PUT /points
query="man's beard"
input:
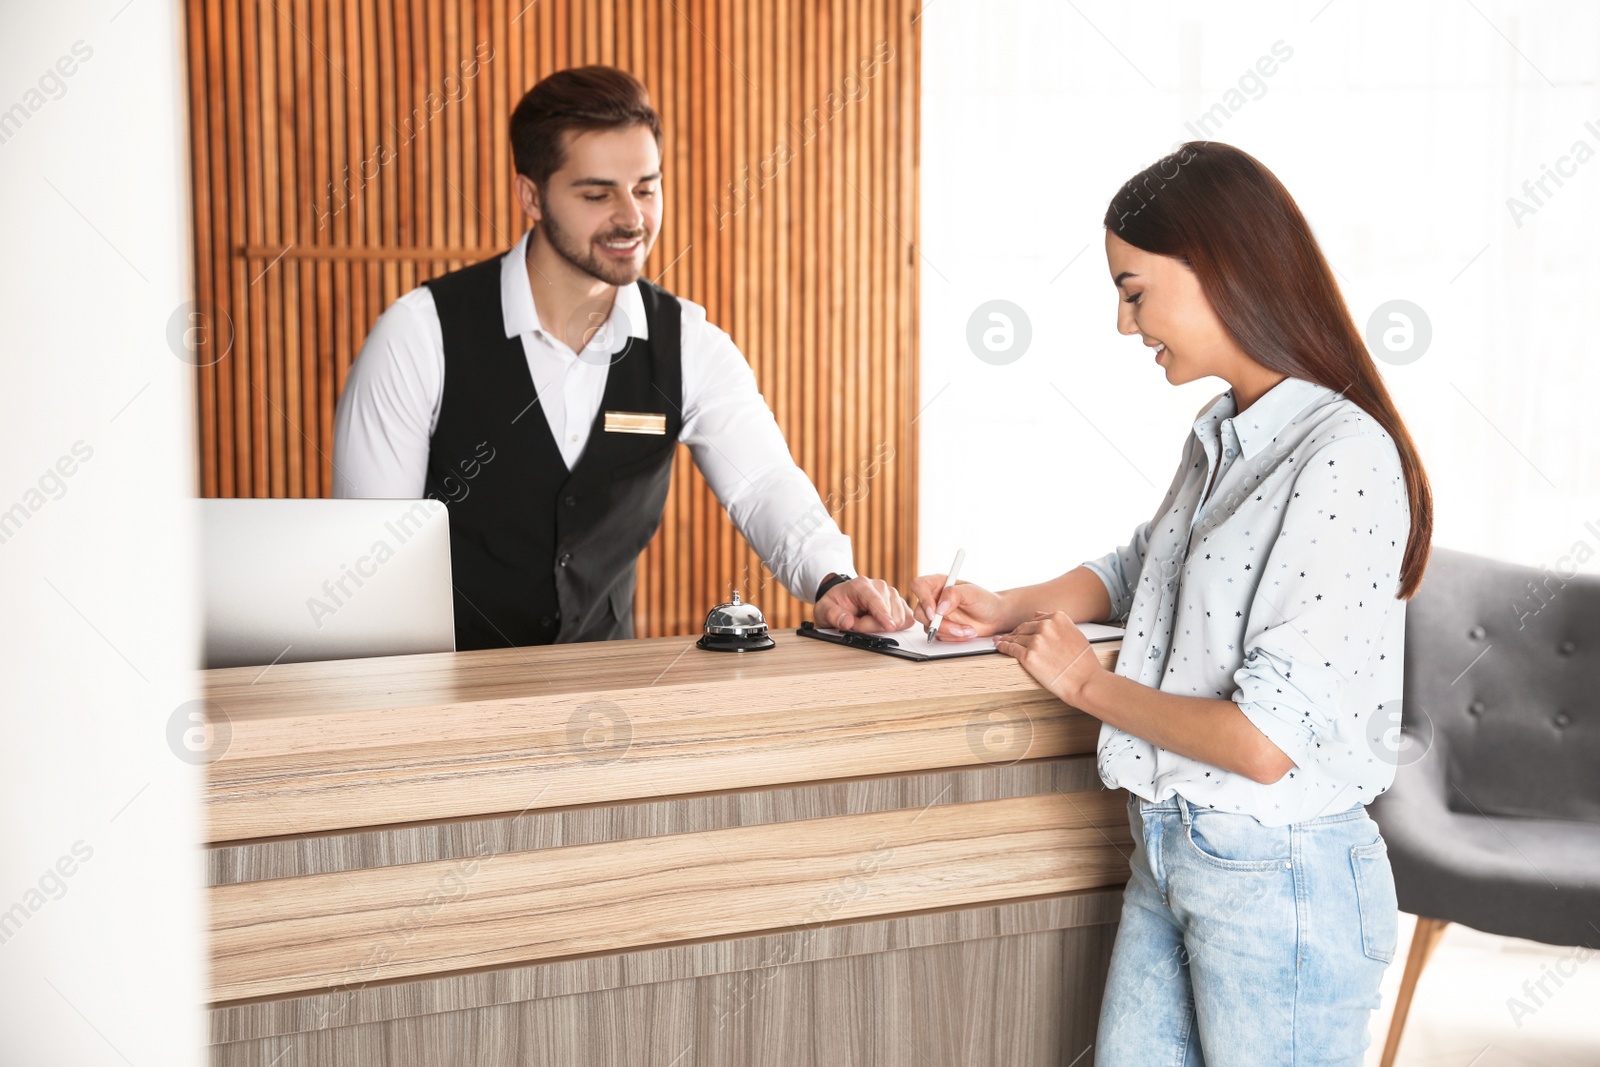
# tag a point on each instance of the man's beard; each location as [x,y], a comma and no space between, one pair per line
[586,259]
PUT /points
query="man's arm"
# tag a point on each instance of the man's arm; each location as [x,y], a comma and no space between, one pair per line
[737,444]
[385,416]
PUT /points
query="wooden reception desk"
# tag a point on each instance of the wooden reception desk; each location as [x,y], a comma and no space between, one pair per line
[642,853]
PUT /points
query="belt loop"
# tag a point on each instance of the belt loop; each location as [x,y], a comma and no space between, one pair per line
[1183,808]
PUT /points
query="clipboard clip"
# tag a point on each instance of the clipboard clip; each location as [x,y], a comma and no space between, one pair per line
[848,637]
[867,641]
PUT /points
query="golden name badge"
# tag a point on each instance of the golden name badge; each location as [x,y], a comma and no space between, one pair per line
[635,422]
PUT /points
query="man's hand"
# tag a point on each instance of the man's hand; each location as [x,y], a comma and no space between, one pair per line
[1052,649]
[863,604]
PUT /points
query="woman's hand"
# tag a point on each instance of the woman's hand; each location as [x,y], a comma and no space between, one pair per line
[1052,649]
[969,610]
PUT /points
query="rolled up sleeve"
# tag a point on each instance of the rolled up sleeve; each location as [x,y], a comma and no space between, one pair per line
[1119,570]
[1329,583]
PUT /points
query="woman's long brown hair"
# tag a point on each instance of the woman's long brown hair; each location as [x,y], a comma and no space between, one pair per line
[1231,221]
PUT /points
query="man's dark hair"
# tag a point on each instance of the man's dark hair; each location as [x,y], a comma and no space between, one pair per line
[582,98]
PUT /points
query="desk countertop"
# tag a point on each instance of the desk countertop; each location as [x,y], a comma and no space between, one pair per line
[319,747]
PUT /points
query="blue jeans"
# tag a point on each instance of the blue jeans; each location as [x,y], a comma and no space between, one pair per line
[1244,945]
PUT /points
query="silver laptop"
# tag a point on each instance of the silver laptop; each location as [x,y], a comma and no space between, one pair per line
[290,581]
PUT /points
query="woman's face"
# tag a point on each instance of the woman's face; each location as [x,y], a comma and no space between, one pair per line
[1161,301]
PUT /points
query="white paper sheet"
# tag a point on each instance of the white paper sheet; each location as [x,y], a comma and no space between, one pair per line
[914,639]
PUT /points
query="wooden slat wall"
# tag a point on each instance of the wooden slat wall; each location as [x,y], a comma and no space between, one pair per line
[342,155]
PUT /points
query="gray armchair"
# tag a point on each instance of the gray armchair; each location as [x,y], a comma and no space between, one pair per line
[1494,818]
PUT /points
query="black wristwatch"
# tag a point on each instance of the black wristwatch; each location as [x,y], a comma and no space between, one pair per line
[828,582]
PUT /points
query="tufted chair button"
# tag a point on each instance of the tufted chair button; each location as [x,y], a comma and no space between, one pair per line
[1476,633]
[1566,648]
[1475,708]
[1562,718]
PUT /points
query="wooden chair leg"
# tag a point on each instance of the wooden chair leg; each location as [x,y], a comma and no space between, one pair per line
[1423,942]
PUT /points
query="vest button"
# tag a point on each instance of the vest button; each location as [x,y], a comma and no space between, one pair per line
[545,622]
[1567,648]
[571,501]
[1563,719]
[1476,633]
[566,557]
[1475,708]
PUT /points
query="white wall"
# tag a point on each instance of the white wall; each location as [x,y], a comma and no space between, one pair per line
[102,964]
[1401,129]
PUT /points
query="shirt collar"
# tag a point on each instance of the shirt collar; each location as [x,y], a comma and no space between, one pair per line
[516,301]
[1264,420]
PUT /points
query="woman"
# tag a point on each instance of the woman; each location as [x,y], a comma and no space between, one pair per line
[1265,610]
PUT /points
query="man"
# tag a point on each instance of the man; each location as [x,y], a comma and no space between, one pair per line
[541,393]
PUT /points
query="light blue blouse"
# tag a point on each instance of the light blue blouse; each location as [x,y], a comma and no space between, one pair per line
[1278,592]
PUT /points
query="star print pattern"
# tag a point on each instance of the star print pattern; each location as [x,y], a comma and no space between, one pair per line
[1276,591]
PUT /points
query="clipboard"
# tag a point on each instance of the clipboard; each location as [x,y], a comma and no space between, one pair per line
[910,644]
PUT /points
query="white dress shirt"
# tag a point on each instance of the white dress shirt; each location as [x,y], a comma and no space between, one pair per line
[390,406]
[1279,592]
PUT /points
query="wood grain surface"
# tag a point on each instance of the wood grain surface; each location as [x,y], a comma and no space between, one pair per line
[1017,984]
[376,899]
[1020,1000]
[354,928]
[729,964]
[291,857]
[309,748]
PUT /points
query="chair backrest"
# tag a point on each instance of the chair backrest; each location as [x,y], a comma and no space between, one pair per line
[1503,673]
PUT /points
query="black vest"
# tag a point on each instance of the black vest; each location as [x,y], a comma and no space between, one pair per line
[539,554]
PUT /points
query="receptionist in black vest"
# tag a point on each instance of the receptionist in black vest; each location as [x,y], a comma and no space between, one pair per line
[541,394]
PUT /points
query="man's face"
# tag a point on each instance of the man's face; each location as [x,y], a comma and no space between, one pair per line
[602,210]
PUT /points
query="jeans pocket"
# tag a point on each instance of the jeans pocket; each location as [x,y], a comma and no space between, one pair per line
[1375,896]
[1237,842]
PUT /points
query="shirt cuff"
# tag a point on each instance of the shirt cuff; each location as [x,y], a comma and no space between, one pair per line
[1117,592]
[812,573]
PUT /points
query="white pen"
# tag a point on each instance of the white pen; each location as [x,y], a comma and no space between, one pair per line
[949,580]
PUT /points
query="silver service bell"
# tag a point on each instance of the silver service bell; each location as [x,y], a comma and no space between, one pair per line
[735,627]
